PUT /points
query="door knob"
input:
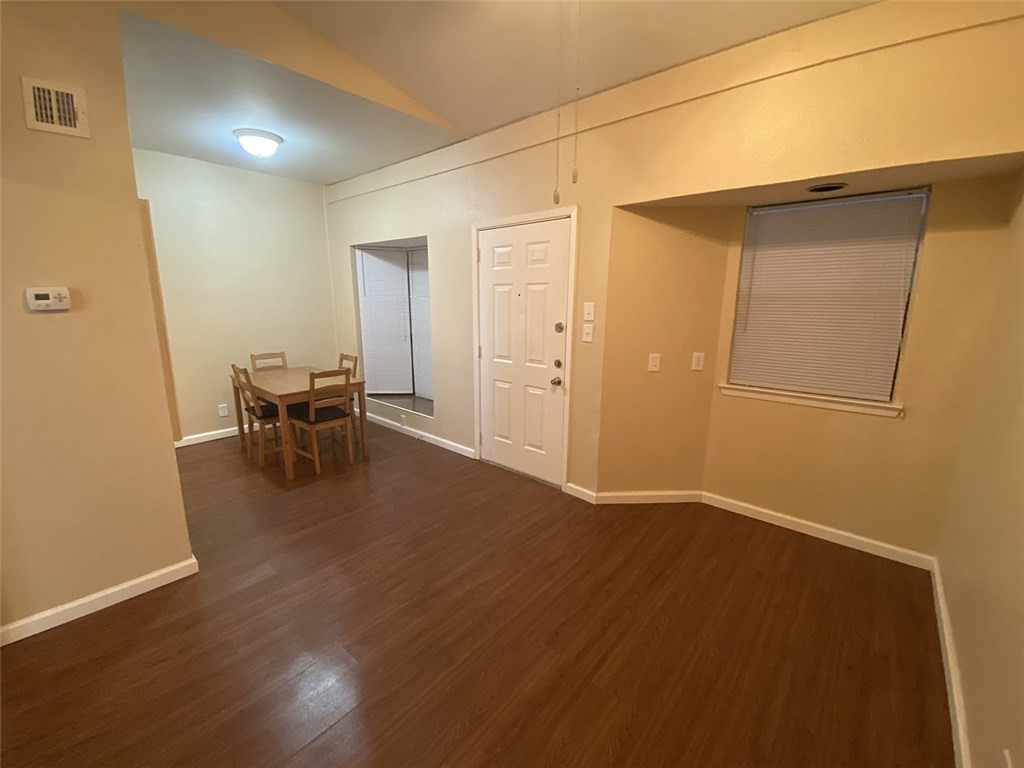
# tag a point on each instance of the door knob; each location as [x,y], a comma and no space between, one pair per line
[557,381]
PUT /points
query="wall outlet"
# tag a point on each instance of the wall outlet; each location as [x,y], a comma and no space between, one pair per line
[654,362]
[588,332]
[698,362]
[222,410]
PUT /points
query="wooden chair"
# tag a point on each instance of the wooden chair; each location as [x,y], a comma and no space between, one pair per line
[328,407]
[259,414]
[351,362]
[282,361]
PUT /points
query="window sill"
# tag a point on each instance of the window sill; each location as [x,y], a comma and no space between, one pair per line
[890,410]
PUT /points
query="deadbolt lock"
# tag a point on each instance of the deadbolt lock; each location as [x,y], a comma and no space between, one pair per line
[559,327]
[558,363]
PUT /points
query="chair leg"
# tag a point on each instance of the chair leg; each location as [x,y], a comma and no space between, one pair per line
[263,446]
[349,435]
[248,439]
[314,438]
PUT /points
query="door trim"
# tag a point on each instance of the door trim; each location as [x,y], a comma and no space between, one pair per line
[552,214]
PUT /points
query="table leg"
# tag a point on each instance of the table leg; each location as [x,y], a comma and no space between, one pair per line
[364,433]
[353,399]
[287,447]
[238,413]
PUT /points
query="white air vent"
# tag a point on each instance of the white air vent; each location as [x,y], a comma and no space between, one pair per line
[55,107]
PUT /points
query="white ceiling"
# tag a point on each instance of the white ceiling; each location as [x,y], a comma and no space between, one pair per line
[186,95]
[485,64]
[479,64]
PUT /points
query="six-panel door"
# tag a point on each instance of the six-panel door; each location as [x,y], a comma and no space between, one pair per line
[523,306]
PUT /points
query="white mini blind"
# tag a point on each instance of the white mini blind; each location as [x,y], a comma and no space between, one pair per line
[384,316]
[823,292]
[419,306]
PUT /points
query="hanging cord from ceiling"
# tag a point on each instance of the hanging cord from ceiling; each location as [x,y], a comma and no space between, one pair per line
[556,195]
[576,102]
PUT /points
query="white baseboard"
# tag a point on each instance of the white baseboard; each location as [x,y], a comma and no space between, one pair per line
[856,541]
[647,497]
[630,497]
[580,492]
[462,450]
[954,691]
[205,437]
[76,609]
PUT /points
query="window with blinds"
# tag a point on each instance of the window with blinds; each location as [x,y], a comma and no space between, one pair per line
[394,315]
[823,292]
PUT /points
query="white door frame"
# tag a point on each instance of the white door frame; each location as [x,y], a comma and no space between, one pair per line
[565,212]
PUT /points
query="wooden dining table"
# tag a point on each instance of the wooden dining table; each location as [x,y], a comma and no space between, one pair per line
[286,386]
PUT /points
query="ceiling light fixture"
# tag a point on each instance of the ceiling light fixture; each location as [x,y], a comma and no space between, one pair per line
[830,186]
[258,143]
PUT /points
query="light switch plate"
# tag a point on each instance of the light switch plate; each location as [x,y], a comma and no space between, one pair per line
[654,362]
[698,362]
[588,332]
[588,310]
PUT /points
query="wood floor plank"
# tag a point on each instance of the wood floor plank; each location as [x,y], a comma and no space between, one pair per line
[424,609]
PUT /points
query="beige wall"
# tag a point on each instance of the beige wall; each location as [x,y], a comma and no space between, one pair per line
[90,486]
[244,268]
[876,476]
[89,491]
[444,210]
[665,275]
[798,105]
[980,548]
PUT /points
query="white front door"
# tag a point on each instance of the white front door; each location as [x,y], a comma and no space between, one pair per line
[524,282]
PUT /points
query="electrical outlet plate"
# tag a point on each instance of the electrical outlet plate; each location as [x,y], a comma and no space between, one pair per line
[698,362]
[222,410]
[654,362]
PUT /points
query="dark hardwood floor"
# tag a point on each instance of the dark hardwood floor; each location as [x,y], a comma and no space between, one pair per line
[424,609]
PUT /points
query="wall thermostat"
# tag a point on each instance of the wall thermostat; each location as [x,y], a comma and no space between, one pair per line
[48,299]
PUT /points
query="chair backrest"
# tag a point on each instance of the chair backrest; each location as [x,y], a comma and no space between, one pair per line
[351,362]
[334,393]
[244,383]
[277,360]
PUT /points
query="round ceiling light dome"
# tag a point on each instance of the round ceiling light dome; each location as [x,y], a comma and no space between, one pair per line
[258,143]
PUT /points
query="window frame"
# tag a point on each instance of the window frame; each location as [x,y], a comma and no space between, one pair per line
[892,408]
